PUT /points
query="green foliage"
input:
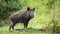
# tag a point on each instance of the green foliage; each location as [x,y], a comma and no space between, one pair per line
[42,11]
[7,6]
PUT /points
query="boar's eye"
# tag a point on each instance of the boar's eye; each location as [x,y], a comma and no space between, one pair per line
[34,9]
[28,8]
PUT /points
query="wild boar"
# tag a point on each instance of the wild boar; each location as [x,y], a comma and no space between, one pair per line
[22,16]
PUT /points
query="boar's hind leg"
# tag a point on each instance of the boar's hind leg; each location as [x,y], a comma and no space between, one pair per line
[12,26]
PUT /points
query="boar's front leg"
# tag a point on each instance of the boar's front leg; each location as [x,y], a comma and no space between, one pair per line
[25,24]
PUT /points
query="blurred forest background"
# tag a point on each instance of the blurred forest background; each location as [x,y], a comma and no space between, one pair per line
[47,14]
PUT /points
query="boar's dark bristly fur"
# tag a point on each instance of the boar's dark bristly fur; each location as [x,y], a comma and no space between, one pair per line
[22,16]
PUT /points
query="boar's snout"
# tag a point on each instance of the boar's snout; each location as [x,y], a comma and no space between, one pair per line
[31,16]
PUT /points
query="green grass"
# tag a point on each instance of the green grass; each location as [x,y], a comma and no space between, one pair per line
[4,30]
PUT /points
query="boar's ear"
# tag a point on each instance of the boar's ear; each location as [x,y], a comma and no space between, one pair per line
[28,8]
[34,9]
